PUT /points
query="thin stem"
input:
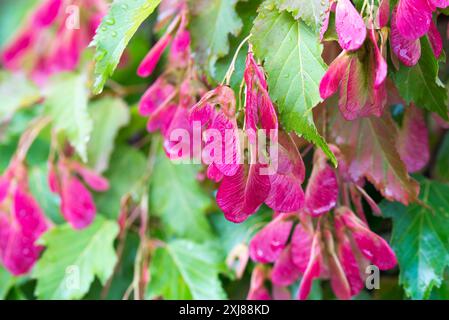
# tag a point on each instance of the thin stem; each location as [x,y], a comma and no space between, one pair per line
[140,265]
[231,69]
[29,136]
[365,5]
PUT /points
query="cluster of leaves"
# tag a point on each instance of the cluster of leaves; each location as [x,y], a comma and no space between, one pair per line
[158,232]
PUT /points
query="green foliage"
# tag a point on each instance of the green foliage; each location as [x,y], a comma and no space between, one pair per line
[73,258]
[247,10]
[6,282]
[114,33]
[421,240]
[310,11]
[186,244]
[25,93]
[127,168]
[66,101]
[12,13]
[177,198]
[231,234]
[108,116]
[420,84]
[48,201]
[183,269]
[294,69]
[211,24]
[441,169]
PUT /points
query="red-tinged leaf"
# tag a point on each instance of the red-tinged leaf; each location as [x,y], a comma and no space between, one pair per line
[413,140]
[369,148]
[267,244]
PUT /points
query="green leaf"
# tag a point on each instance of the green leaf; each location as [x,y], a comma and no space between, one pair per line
[114,33]
[124,273]
[127,167]
[66,102]
[232,234]
[247,10]
[369,147]
[17,124]
[441,169]
[442,293]
[12,14]
[211,23]
[38,152]
[293,62]
[177,198]
[73,258]
[420,239]
[48,201]
[108,115]
[186,270]
[16,92]
[420,84]
[310,11]
[6,282]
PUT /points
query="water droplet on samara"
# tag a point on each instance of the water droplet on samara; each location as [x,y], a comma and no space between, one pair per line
[100,54]
[110,21]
